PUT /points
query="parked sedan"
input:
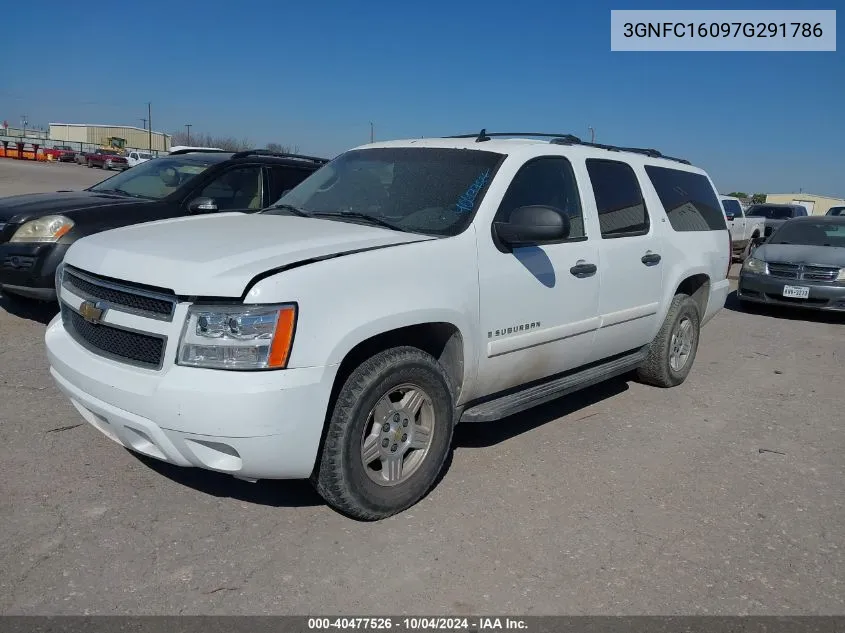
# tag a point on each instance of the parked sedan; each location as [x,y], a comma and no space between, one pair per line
[802,264]
[37,229]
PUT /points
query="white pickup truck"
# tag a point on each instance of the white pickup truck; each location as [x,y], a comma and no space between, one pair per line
[746,231]
[404,287]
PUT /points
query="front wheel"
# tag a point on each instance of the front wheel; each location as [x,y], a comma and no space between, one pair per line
[673,350]
[388,437]
[90,165]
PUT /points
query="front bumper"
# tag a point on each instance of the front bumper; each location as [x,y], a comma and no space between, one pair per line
[254,425]
[767,289]
[30,269]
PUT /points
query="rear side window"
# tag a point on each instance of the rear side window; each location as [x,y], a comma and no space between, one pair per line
[732,208]
[619,199]
[688,198]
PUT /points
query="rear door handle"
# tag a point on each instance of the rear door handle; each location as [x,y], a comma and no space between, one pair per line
[582,269]
[650,259]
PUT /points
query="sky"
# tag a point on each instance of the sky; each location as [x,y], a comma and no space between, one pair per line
[315,74]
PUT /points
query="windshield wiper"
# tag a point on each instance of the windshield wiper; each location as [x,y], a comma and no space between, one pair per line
[126,193]
[362,216]
[294,209]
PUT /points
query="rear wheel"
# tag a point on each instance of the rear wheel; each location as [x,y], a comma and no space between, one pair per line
[107,165]
[674,348]
[388,437]
[90,164]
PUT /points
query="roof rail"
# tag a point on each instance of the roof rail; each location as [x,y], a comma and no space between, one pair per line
[267,152]
[485,136]
[191,150]
[653,153]
[569,139]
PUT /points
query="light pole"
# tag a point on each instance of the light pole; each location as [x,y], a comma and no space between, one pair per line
[372,132]
[592,133]
[150,121]
[188,127]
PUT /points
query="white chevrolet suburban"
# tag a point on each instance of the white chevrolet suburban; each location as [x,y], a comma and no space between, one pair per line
[406,286]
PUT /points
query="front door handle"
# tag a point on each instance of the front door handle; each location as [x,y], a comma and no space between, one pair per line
[582,269]
[650,259]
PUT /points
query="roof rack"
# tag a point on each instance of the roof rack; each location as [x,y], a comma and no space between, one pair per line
[267,152]
[191,150]
[569,139]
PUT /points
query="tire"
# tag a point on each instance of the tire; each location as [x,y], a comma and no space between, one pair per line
[90,165]
[107,165]
[659,368]
[341,476]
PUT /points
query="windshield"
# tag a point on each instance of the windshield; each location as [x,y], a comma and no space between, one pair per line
[811,233]
[770,212]
[836,211]
[154,179]
[433,191]
[732,208]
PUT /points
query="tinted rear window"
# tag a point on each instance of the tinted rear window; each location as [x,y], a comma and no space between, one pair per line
[770,212]
[732,208]
[619,200]
[836,211]
[688,198]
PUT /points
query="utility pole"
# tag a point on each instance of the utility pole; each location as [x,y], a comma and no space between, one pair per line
[150,121]
[372,132]
[188,126]
[143,122]
[592,133]
[23,125]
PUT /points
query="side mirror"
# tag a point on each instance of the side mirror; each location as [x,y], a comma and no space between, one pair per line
[532,225]
[202,205]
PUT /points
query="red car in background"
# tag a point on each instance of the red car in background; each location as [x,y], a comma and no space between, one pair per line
[61,153]
[107,159]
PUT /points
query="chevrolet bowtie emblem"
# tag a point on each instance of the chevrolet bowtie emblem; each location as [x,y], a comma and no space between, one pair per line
[92,312]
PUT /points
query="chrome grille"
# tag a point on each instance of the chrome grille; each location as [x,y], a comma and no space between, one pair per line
[820,273]
[803,271]
[786,271]
[128,346]
[124,298]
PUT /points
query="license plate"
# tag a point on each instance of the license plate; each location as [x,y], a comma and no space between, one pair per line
[796,292]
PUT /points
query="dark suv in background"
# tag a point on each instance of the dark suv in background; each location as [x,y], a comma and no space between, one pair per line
[37,229]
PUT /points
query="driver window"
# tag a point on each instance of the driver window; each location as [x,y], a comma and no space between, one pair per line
[236,189]
[546,181]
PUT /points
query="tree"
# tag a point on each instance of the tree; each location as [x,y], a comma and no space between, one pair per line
[198,139]
[738,194]
[283,149]
[758,198]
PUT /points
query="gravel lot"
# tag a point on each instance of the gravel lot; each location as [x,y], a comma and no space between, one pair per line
[721,496]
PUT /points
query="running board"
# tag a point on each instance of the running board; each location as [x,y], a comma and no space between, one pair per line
[519,401]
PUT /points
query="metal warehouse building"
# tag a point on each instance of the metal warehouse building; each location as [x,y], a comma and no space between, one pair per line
[136,138]
[815,205]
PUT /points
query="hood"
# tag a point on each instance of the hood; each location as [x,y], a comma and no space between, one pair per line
[801,254]
[35,205]
[218,255]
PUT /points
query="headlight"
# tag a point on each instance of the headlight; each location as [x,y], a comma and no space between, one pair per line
[238,337]
[841,275]
[59,278]
[754,265]
[47,229]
